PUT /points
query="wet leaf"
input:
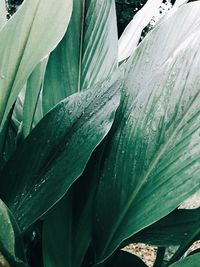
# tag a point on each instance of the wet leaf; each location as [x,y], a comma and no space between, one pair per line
[87,53]
[54,155]
[151,163]
[20,37]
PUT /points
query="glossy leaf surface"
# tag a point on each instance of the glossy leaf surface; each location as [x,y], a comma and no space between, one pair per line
[87,53]
[160,46]
[172,230]
[25,40]
[154,152]
[60,146]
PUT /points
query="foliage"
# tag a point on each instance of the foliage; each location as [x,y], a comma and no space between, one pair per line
[96,153]
[125,12]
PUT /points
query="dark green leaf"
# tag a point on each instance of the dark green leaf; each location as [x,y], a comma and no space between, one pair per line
[125,259]
[54,155]
[187,242]
[68,225]
[58,234]
[87,53]
[191,261]
[172,230]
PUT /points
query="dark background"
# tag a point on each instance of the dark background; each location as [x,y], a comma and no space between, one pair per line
[125,10]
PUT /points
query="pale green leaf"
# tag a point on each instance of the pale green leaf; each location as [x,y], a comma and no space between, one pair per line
[58,234]
[132,33]
[178,3]
[25,40]
[161,44]
[32,94]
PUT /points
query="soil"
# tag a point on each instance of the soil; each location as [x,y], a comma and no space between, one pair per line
[148,253]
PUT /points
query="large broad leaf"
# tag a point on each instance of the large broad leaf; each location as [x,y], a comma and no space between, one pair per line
[160,45]
[68,225]
[172,230]
[191,261]
[19,49]
[132,33]
[57,150]
[87,53]
[8,243]
[152,161]
[63,234]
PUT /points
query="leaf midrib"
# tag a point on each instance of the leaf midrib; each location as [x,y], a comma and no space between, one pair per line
[59,148]
[145,177]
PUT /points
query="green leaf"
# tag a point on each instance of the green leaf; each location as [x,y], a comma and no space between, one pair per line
[60,146]
[172,230]
[132,33]
[152,158]
[63,234]
[2,13]
[32,93]
[191,261]
[151,54]
[125,259]
[68,225]
[58,234]
[186,243]
[26,40]
[87,53]
[9,243]
[10,144]
[7,237]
